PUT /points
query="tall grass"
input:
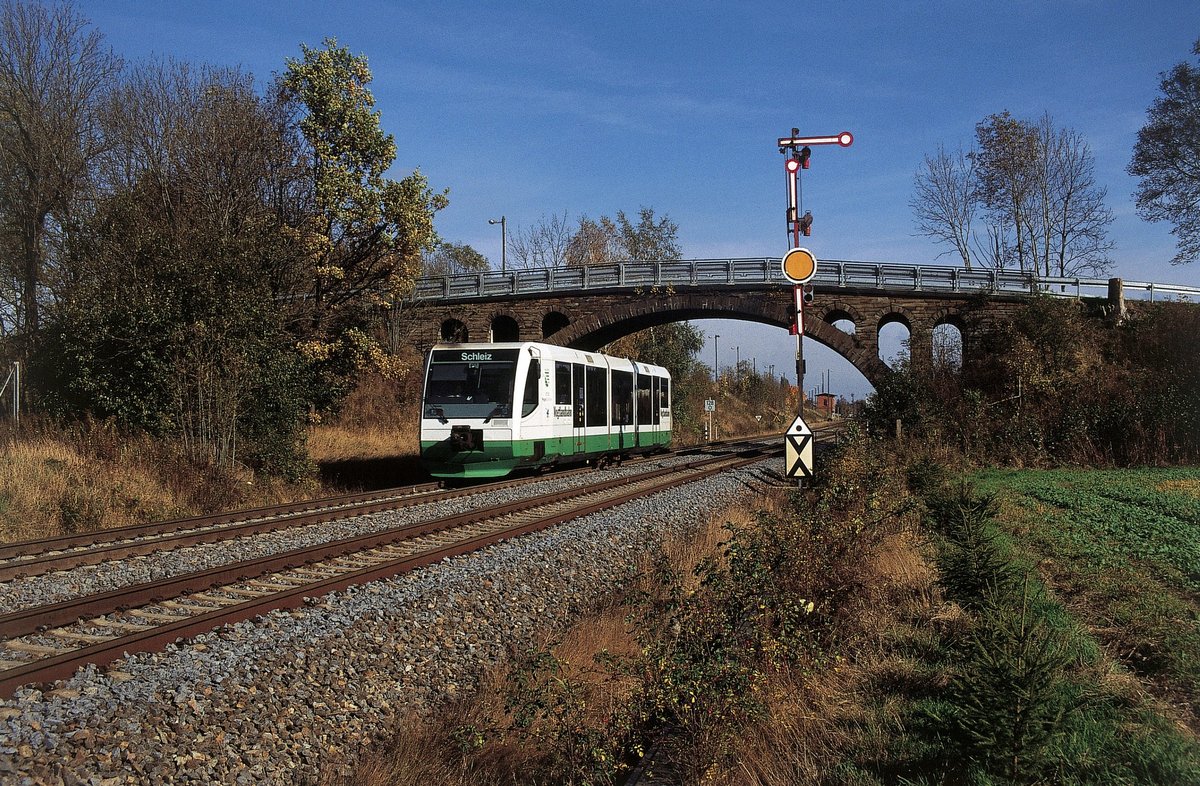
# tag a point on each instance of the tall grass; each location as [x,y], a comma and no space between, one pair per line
[379,419]
[64,480]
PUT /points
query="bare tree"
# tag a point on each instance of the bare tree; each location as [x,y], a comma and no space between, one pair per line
[606,240]
[944,202]
[1035,187]
[1005,162]
[542,245]
[1076,218]
[649,239]
[54,71]
[594,243]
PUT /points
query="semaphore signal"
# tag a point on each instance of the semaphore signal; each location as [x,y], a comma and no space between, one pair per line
[799,265]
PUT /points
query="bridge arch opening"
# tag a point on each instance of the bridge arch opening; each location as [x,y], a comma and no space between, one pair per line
[505,328]
[770,351]
[895,334]
[553,322]
[845,325]
[454,331]
[842,319]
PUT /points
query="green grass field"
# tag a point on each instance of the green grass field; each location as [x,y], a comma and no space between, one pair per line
[1121,549]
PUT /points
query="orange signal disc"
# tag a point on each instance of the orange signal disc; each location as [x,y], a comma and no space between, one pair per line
[799,265]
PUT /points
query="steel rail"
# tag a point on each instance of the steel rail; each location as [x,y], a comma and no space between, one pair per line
[24,548]
[101,653]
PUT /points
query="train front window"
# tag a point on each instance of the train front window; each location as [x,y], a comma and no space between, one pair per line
[529,401]
[471,384]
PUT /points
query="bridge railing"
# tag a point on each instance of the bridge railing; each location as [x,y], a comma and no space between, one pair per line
[831,275]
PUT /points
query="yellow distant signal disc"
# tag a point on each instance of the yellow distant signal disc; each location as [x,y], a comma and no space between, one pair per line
[799,265]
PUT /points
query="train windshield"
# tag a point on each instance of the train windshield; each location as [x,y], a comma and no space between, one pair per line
[474,383]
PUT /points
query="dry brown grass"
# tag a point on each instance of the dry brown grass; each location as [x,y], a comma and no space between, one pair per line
[1189,487]
[47,487]
[427,751]
[424,751]
[815,714]
[56,481]
[379,419]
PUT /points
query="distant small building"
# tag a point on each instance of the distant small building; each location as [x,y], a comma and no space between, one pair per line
[826,402]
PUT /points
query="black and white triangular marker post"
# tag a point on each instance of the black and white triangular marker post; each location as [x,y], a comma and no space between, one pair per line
[798,452]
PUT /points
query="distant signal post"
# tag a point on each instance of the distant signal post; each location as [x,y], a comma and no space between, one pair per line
[799,266]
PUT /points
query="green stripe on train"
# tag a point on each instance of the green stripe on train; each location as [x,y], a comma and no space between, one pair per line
[500,457]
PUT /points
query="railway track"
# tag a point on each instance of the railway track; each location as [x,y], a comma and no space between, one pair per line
[51,641]
[30,558]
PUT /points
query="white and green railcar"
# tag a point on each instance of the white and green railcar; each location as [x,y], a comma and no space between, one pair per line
[489,409]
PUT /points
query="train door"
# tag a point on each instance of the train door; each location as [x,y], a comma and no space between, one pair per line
[647,406]
[563,409]
[580,407]
[622,408]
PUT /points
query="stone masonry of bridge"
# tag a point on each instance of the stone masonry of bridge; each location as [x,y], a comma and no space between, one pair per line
[589,320]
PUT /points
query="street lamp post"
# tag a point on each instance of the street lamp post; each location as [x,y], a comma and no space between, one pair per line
[737,370]
[716,374]
[502,221]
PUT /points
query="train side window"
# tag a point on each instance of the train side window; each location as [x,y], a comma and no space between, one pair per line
[664,401]
[529,400]
[655,392]
[562,383]
[597,396]
[622,398]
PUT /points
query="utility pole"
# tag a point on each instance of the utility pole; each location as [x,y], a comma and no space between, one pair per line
[716,372]
[503,222]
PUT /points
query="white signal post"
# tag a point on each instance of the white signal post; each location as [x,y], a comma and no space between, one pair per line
[798,267]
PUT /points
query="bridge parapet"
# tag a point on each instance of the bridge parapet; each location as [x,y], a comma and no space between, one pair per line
[862,277]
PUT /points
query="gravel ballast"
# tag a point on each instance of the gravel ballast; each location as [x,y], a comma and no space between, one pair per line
[281,699]
[106,576]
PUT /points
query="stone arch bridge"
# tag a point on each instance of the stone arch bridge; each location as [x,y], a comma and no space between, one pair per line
[588,307]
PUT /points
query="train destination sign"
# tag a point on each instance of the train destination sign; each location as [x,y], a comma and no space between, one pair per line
[475,356]
[798,450]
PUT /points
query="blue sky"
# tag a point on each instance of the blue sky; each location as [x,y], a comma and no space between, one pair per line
[528,109]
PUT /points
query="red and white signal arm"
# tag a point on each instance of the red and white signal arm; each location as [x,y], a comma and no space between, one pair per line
[799,265]
[845,139]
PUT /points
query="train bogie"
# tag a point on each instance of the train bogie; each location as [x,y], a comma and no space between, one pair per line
[489,409]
